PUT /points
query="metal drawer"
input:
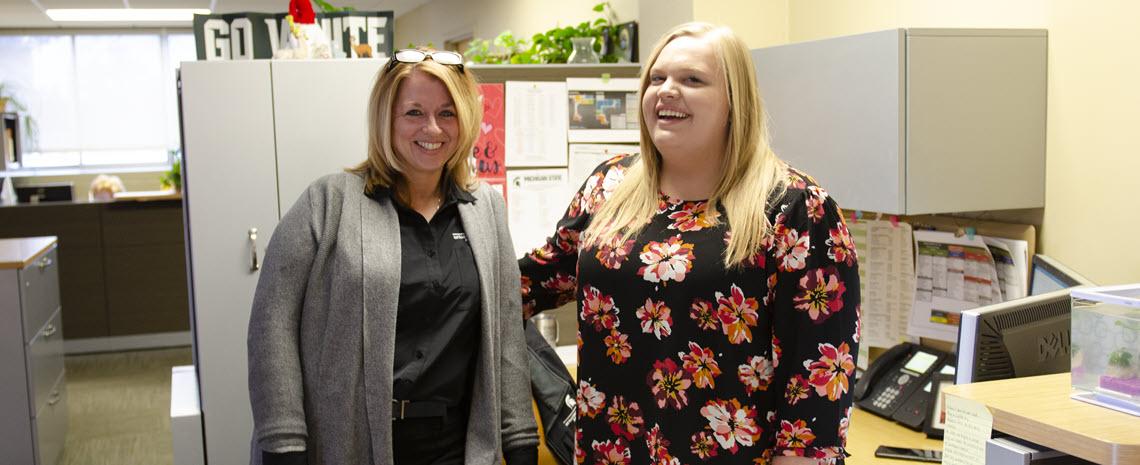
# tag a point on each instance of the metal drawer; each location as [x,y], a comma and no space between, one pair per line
[45,362]
[51,426]
[39,292]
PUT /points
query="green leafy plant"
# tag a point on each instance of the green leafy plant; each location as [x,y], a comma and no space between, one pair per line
[9,102]
[503,49]
[327,7]
[1120,358]
[552,46]
[173,177]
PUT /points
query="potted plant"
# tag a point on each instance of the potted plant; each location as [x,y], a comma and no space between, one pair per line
[552,46]
[1120,365]
[10,103]
[172,179]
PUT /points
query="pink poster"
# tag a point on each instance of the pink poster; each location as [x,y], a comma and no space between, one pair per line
[488,155]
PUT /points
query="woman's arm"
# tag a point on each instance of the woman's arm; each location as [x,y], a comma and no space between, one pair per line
[815,324]
[549,272]
[275,383]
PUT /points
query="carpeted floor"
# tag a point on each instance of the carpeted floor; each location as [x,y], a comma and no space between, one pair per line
[119,407]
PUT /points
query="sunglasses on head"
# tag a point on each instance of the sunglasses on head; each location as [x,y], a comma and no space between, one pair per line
[412,55]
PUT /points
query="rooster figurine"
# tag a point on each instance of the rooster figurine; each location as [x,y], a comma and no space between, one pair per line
[306,39]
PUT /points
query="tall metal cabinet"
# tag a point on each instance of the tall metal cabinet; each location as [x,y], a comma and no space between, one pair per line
[255,134]
[33,394]
[914,121]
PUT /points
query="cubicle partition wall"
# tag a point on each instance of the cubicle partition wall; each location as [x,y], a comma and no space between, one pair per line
[123,272]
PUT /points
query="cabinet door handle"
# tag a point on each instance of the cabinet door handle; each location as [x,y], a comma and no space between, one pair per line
[254,264]
[54,399]
[49,330]
[46,262]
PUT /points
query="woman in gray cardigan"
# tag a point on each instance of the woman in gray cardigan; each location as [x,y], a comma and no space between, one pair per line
[385,326]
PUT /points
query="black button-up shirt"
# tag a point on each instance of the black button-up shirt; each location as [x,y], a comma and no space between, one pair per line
[437,316]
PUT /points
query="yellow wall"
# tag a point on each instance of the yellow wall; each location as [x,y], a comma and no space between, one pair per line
[761,23]
[816,19]
[1091,218]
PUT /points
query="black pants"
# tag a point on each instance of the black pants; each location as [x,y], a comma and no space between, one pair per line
[430,441]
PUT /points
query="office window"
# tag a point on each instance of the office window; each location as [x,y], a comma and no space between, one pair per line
[99,99]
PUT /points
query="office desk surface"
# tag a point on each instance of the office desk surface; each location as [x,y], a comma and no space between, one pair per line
[867,432]
[19,253]
[1038,409]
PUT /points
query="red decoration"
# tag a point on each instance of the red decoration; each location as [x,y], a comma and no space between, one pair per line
[302,12]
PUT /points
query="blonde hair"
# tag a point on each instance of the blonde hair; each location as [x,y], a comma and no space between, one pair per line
[384,167]
[752,176]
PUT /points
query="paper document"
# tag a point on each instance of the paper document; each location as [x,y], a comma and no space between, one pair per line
[886,280]
[1011,257]
[968,426]
[951,274]
[603,110]
[536,124]
[537,199]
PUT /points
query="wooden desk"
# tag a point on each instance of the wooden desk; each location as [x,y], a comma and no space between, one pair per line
[866,433]
[869,431]
[1038,409]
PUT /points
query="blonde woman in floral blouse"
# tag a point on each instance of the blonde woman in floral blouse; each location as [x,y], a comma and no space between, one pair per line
[717,287]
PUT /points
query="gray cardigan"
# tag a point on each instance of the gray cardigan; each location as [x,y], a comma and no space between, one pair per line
[322,333]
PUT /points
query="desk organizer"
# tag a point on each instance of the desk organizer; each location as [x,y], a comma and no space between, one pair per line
[1105,349]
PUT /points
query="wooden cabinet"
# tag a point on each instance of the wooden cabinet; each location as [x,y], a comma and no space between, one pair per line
[80,247]
[913,121]
[33,397]
[124,264]
[144,261]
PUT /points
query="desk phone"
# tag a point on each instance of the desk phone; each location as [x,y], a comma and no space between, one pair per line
[895,386]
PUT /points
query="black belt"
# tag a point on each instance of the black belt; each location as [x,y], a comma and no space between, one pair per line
[402,409]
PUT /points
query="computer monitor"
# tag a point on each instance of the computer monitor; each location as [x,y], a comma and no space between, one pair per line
[1049,275]
[49,192]
[1017,338]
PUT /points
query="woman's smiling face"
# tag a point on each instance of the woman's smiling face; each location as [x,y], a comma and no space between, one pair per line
[425,126]
[685,106]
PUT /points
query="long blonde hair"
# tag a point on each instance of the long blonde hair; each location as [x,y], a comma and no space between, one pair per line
[384,167]
[752,176]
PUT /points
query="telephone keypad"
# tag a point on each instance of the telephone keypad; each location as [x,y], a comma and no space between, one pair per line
[887,397]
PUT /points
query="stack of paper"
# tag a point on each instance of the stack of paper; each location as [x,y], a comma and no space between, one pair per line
[955,273]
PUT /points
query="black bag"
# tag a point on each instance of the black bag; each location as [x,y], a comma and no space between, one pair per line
[554,393]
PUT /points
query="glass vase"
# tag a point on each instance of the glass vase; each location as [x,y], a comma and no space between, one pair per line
[583,51]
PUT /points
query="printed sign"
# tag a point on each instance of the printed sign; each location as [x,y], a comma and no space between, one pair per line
[247,36]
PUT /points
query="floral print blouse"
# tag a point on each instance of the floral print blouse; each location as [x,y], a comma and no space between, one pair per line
[684,361]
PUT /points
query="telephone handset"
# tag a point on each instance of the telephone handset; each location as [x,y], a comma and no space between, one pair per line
[897,378]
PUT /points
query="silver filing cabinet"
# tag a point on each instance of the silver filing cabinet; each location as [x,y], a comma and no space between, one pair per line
[33,396]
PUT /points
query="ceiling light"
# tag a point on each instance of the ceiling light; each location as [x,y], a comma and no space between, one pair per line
[124,14]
